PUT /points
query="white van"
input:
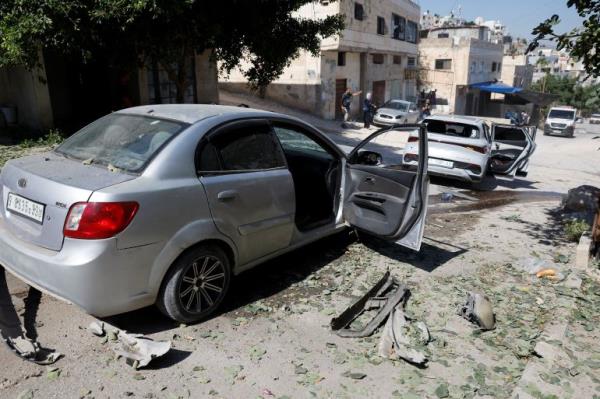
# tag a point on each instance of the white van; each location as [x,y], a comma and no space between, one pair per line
[561,121]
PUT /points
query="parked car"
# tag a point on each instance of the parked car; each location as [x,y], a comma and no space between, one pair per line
[561,121]
[595,119]
[466,148]
[396,111]
[164,203]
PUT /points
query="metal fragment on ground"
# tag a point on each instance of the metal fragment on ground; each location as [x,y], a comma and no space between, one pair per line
[97,329]
[138,350]
[479,310]
[401,336]
[385,296]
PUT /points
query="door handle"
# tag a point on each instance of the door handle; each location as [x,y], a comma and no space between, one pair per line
[370,180]
[227,195]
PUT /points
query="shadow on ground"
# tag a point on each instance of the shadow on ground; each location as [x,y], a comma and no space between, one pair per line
[263,281]
[433,253]
[489,183]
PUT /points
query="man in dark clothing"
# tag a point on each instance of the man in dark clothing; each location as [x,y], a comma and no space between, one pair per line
[368,110]
[347,102]
[24,345]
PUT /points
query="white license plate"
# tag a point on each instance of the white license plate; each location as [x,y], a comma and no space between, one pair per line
[441,162]
[556,131]
[24,207]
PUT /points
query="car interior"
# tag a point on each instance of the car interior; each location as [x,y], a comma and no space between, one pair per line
[510,143]
[316,175]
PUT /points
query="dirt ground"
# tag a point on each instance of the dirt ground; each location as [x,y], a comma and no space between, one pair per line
[272,338]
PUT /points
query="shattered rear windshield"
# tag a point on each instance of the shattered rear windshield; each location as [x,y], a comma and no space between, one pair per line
[454,129]
[120,141]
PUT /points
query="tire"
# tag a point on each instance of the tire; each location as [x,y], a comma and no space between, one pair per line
[191,293]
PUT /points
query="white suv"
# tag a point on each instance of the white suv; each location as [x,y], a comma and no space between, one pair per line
[561,121]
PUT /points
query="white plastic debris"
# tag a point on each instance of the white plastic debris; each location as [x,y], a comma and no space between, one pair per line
[401,336]
[138,350]
[478,309]
[97,329]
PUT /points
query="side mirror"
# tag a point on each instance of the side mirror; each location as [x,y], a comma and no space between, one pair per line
[579,120]
[370,158]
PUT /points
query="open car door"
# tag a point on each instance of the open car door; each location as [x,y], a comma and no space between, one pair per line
[511,148]
[382,196]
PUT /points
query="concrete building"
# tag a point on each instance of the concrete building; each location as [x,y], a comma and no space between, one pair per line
[376,52]
[66,94]
[516,71]
[453,59]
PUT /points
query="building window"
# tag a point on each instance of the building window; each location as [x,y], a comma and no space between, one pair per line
[399,26]
[494,67]
[380,26]
[397,60]
[411,32]
[411,62]
[443,64]
[443,35]
[473,67]
[499,67]
[359,11]
[378,59]
[342,58]
[162,90]
[481,66]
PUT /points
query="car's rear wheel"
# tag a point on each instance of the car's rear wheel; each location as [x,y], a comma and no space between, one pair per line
[195,285]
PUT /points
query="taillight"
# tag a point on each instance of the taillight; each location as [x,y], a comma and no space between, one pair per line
[412,139]
[96,220]
[482,150]
[474,168]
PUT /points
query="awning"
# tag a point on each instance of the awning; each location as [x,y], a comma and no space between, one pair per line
[496,87]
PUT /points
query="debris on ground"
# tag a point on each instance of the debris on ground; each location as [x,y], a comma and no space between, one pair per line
[138,350]
[97,329]
[401,336]
[478,309]
[385,296]
[541,268]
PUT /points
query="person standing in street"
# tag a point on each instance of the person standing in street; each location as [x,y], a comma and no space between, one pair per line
[23,344]
[347,102]
[368,110]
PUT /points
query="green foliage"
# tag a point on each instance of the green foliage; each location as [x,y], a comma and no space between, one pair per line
[570,92]
[574,229]
[582,43]
[167,32]
[52,138]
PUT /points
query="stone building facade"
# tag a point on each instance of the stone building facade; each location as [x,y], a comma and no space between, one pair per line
[376,52]
[453,61]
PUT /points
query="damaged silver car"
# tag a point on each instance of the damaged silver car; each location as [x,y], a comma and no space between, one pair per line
[162,204]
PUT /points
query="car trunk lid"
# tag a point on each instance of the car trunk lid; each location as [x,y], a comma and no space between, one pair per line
[54,183]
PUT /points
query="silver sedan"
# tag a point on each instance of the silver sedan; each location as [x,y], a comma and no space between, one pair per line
[163,204]
[396,111]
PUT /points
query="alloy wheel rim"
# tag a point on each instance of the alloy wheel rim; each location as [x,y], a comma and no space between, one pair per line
[202,284]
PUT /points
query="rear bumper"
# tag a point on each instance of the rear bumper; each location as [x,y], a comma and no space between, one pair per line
[454,173]
[92,274]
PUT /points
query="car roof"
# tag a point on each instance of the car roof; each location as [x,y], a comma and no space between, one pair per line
[192,113]
[466,119]
[563,108]
[397,100]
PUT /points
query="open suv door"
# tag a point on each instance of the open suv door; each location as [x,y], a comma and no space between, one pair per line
[511,148]
[382,196]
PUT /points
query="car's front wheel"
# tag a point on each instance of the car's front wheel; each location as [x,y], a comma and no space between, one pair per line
[195,285]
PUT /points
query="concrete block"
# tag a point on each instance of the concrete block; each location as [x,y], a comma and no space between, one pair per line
[582,254]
